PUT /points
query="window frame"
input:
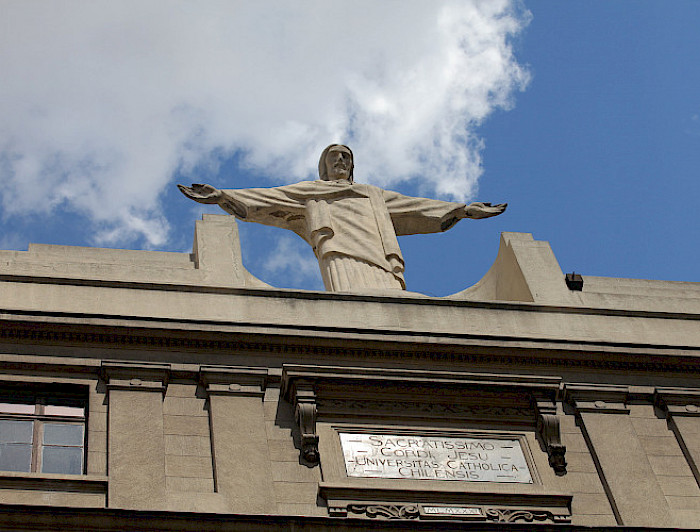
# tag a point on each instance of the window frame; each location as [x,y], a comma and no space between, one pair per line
[41,396]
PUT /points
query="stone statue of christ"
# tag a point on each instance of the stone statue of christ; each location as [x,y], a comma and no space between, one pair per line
[351,227]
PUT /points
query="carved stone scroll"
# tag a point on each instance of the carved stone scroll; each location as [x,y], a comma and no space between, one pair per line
[502,515]
[385,511]
[305,414]
[550,432]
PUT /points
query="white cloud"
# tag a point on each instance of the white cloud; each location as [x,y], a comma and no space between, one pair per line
[101,101]
[293,264]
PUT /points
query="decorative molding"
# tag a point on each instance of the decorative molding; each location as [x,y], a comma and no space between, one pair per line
[384,511]
[518,504]
[548,428]
[30,332]
[396,408]
[135,377]
[234,380]
[505,515]
[414,511]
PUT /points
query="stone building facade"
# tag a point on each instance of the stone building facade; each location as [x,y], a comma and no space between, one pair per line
[165,391]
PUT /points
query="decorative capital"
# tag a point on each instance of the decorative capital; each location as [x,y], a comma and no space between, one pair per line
[234,380]
[135,377]
[601,399]
[678,401]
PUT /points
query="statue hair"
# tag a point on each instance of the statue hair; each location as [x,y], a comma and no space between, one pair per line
[323,171]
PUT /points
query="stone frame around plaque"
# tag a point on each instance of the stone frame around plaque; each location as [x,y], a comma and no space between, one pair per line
[406,499]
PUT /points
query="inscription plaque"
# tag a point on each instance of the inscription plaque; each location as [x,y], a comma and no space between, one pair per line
[452,510]
[434,458]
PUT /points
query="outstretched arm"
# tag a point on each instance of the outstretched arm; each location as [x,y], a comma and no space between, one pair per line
[269,206]
[201,193]
[479,210]
[412,215]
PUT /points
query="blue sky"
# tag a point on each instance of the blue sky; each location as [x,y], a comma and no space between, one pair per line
[583,116]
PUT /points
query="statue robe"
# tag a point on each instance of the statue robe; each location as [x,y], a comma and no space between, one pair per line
[346,220]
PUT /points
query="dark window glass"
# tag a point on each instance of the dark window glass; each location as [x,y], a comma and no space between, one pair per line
[16,445]
[15,457]
[66,460]
[63,434]
[16,431]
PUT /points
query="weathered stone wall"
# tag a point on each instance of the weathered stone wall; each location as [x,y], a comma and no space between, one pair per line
[209,393]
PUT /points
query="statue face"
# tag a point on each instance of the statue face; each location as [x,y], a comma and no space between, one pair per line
[338,163]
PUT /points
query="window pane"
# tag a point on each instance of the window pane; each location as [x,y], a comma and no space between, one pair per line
[15,457]
[72,411]
[16,408]
[12,431]
[66,460]
[63,434]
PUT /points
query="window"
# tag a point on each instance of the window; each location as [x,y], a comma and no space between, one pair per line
[42,430]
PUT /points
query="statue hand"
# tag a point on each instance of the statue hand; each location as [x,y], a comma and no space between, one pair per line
[479,209]
[201,193]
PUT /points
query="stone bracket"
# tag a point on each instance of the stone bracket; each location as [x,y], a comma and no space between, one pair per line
[234,380]
[305,412]
[135,377]
[548,428]
[301,392]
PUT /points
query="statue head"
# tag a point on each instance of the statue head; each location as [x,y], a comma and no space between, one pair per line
[336,163]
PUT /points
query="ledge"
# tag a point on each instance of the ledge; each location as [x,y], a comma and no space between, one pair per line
[53,482]
[401,296]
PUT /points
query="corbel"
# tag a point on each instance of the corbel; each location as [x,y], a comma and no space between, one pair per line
[548,428]
[678,401]
[298,386]
[233,380]
[135,377]
[305,411]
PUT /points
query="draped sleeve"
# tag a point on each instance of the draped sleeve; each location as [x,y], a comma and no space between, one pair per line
[412,216]
[278,207]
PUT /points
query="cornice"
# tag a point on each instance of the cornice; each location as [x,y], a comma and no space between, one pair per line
[469,349]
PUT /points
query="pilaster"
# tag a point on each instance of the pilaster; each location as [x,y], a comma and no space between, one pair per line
[625,472]
[136,451]
[682,408]
[239,440]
